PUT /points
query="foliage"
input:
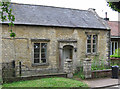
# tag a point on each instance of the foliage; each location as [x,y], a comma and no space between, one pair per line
[98,64]
[116,53]
[79,73]
[115,5]
[6,14]
[114,64]
[47,82]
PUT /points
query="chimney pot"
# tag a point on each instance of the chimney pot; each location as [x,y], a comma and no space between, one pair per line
[107,19]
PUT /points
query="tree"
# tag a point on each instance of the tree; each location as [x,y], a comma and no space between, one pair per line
[6,14]
[115,6]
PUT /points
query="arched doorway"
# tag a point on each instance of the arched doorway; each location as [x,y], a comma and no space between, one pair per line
[67,52]
[67,49]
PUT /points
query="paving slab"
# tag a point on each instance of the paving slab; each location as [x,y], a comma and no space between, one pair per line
[102,82]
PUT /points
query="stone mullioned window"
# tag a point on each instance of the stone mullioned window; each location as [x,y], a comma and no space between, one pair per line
[40,52]
[91,43]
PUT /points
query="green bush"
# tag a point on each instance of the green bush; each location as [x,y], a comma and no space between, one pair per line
[99,65]
[79,72]
[116,53]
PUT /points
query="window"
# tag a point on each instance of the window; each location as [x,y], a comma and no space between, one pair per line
[114,45]
[40,52]
[91,43]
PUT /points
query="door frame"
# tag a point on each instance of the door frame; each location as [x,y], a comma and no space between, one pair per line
[63,43]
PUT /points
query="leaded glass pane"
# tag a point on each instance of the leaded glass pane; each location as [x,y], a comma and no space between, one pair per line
[88,37]
[94,38]
[88,50]
[36,60]
[88,46]
[94,46]
[36,52]
[94,50]
[43,52]
[36,56]
[88,41]
[43,60]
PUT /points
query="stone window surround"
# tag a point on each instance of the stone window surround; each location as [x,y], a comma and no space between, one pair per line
[39,41]
[92,33]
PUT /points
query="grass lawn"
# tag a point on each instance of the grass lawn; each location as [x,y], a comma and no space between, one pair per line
[47,82]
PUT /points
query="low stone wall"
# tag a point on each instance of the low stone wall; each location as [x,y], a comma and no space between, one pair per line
[38,72]
[14,79]
[115,61]
[102,73]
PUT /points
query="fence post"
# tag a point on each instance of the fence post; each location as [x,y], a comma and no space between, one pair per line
[20,69]
[68,68]
[87,68]
[14,70]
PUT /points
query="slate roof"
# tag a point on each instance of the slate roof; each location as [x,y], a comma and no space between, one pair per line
[115,28]
[55,16]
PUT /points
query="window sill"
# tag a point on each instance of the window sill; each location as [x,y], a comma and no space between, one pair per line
[92,54]
[40,64]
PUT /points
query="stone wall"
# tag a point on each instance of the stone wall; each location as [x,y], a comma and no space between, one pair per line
[102,73]
[68,68]
[115,61]
[20,48]
[8,70]
[87,68]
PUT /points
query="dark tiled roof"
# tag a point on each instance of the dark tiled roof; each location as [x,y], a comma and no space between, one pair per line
[115,28]
[55,16]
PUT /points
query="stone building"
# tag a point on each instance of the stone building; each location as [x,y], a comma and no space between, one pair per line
[115,35]
[46,36]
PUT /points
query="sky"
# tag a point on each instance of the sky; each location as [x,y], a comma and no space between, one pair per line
[100,6]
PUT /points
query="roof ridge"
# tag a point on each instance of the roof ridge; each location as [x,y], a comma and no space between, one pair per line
[49,6]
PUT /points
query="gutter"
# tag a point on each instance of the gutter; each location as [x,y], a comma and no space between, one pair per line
[29,24]
[115,36]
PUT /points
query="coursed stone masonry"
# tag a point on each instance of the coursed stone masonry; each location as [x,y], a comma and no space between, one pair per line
[22,48]
[87,68]
[68,68]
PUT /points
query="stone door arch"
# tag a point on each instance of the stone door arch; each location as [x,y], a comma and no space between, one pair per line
[67,49]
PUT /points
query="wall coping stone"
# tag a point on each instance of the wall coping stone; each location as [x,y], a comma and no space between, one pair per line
[113,58]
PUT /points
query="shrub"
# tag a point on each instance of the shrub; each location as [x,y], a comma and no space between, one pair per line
[99,65]
[79,72]
[116,53]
